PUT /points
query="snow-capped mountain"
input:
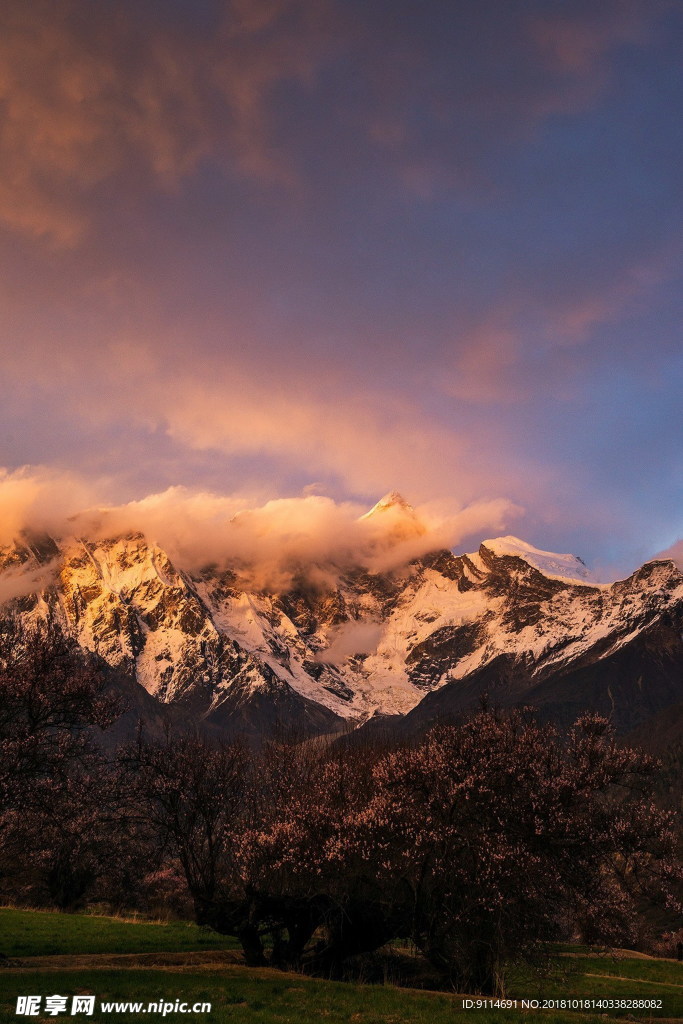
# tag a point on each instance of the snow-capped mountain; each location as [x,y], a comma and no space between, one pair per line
[419,641]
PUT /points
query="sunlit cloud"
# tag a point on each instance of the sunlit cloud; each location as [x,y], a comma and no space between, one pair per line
[92,94]
[41,499]
[271,546]
[245,247]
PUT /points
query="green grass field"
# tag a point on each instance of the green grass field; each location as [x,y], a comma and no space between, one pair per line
[250,996]
[258,997]
[606,977]
[40,933]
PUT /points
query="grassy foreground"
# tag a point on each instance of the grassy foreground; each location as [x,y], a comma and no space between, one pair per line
[262,997]
[250,996]
[607,977]
[41,933]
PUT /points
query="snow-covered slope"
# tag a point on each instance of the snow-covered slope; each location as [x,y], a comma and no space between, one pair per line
[375,643]
[569,568]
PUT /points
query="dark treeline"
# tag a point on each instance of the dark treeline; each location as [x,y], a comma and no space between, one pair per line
[478,842]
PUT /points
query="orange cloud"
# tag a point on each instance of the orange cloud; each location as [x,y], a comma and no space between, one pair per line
[40,498]
[92,92]
[271,545]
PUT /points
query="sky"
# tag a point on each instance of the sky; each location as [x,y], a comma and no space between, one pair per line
[280,249]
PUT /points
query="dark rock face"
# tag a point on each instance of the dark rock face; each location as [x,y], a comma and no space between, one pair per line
[274,710]
[629,686]
[432,658]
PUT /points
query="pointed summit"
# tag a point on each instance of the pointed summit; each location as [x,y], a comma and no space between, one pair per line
[395,519]
[392,500]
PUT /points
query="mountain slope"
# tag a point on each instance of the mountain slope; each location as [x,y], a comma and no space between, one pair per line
[421,641]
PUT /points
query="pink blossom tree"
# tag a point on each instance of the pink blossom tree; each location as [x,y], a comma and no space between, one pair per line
[500,831]
[54,799]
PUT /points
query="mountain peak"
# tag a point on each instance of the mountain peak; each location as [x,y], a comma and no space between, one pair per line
[394,519]
[220,652]
[557,566]
[393,499]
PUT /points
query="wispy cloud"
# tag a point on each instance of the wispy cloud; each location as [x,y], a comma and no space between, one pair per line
[675,552]
[246,245]
[94,94]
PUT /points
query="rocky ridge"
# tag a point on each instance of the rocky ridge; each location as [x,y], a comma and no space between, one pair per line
[418,642]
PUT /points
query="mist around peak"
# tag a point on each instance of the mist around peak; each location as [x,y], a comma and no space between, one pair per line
[675,553]
[272,545]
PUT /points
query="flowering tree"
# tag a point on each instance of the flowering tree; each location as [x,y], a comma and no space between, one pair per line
[191,793]
[479,841]
[318,908]
[51,694]
[54,800]
[501,832]
[252,830]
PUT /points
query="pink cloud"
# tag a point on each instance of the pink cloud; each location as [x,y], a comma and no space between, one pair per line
[92,93]
[271,544]
[675,553]
[579,43]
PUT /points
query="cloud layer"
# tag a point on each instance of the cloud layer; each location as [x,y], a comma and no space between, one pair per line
[94,95]
[285,542]
[251,245]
